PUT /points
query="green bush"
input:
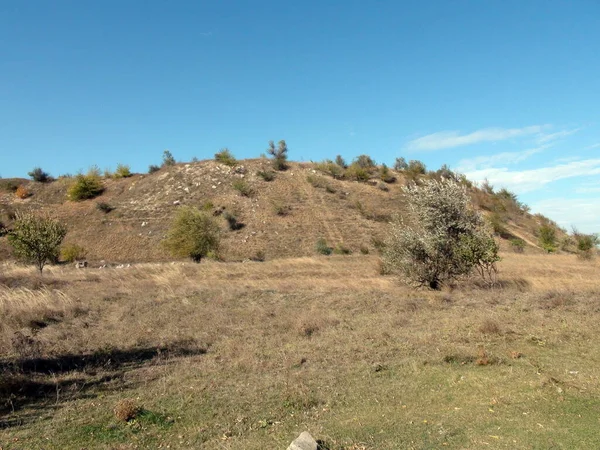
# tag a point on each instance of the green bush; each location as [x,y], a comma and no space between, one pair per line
[330,168]
[341,249]
[547,237]
[104,207]
[225,157]
[322,247]
[36,239]
[193,234]
[37,174]
[341,162]
[266,175]
[122,171]
[358,173]
[72,252]
[243,188]
[153,168]
[86,186]
[586,244]
[416,167]
[232,221]
[518,245]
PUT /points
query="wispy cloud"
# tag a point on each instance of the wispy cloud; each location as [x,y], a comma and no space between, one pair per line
[580,212]
[545,138]
[593,146]
[450,139]
[505,158]
[532,179]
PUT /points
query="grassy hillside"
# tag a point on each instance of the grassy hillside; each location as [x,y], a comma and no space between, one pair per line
[282,218]
[247,355]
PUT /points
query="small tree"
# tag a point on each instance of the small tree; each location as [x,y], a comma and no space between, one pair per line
[193,234]
[586,244]
[400,164]
[168,159]
[123,171]
[36,239]
[341,162]
[548,238]
[279,154]
[37,174]
[444,240]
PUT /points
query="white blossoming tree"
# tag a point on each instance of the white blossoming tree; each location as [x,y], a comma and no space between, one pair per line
[442,239]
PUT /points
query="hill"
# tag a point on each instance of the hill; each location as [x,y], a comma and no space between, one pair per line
[279,218]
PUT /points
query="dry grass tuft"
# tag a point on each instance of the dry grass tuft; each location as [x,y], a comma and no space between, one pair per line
[490,326]
[126,410]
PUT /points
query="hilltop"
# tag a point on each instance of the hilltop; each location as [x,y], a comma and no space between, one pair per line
[283,217]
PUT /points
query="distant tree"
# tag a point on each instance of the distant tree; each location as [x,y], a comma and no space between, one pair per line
[193,234]
[152,168]
[400,164]
[279,154]
[341,162]
[364,162]
[416,167]
[36,239]
[37,174]
[168,159]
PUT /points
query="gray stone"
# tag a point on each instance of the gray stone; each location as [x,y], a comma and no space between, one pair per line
[303,442]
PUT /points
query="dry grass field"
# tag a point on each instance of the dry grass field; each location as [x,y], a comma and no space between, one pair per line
[248,355]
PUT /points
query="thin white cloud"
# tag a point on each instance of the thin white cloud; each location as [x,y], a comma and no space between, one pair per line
[487,161]
[532,179]
[593,146]
[545,138]
[450,139]
[584,213]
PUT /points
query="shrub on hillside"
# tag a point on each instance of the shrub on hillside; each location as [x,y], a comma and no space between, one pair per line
[322,248]
[266,175]
[37,174]
[193,234]
[9,185]
[72,252]
[330,168]
[586,244]
[232,221]
[153,168]
[364,162]
[341,249]
[357,173]
[385,174]
[278,155]
[341,162]
[547,237]
[243,188]
[400,164]
[36,239]
[168,159]
[518,245]
[123,171]
[445,239]
[416,167]
[225,157]
[281,208]
[86,186]
[22,192]
[104,207]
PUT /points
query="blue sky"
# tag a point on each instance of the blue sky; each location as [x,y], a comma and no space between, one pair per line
[505,90]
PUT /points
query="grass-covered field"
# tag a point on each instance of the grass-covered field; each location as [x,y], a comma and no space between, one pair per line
[248,355]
